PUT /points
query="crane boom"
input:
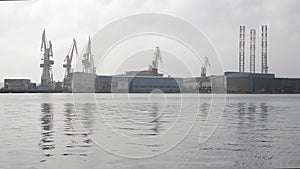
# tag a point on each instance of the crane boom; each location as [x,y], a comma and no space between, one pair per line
[74,47]
[50,49]
[44,41]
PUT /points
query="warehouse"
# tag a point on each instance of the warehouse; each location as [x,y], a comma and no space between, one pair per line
[276,85]
[138,84]
[18,84]
[240,82]
[112,84]
[217,83]
[83,82]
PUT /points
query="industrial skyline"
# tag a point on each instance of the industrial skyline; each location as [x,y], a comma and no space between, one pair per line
[218,20]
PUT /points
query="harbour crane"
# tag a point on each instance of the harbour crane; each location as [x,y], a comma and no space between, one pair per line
[204,67]
[47,74]
[88,62]
[69,58]
[157,58]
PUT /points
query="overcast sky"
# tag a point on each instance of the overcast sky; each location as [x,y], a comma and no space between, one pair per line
[22,23]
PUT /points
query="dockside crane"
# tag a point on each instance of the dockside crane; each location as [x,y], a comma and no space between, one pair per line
[68,66]
[88,61]
[157,58]
[69,58]
[47,74]
[204,67]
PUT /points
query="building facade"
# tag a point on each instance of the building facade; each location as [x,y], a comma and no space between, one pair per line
[83,82]
[138,84]
[243,82]
[17,84]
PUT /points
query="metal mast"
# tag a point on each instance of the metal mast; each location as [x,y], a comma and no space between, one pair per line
[242,49]
[88,62]
[47,75]
[252,51]
[264,56]
[69,58]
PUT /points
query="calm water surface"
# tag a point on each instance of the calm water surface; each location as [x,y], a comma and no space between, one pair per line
[120,131]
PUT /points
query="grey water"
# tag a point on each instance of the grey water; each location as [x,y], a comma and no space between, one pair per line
[149,131]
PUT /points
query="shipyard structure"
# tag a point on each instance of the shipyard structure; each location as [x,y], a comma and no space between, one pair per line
[151,80]
[252,81]
[144,81]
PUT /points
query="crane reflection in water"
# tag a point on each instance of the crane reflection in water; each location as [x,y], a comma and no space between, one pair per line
[47,142]
[78,128]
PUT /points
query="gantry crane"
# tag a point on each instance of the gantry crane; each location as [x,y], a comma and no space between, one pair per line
[47,74]
[204,67]
[88,62]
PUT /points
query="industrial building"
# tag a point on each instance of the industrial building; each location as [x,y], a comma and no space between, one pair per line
[138,84]
[18,84]
[144,81]
[276,85]
[237,82]
[251,82]
[83,82]
[217,83]
[191,84]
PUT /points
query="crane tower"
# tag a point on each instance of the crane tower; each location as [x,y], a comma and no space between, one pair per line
[88,62]
[69,58]
[68,64]
[155,62]
[157,58]
[47,75]
[204,67]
